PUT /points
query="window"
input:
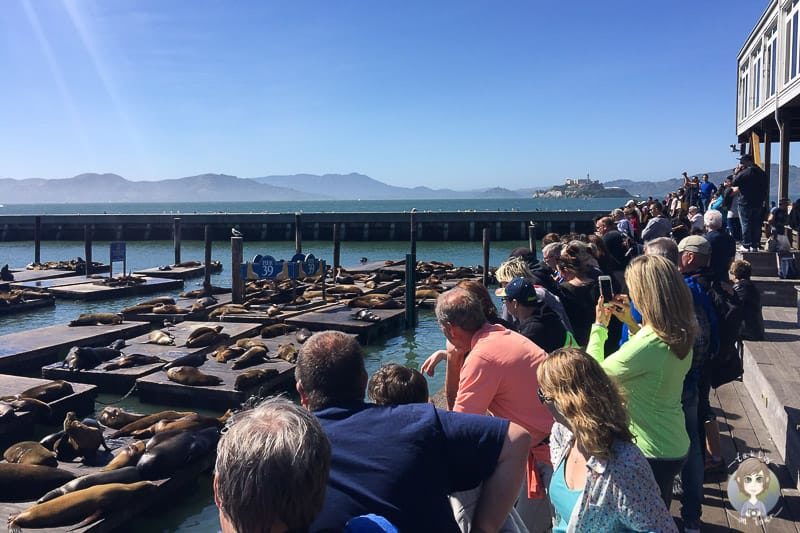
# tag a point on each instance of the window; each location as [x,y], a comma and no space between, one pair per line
[793,45]
[772,57]
[744,93]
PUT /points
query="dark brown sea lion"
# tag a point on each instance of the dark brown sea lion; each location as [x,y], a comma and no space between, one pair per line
[192,422]
[254,356]
[94,319]
[87,439]
[249,343]
[85,506]
[48,392]
[253,377]
[147,421]
[287,352]
[134,359]
[30,453]
[187,264]
[129,474]
[226,353]
[22,482]
[202,330]
[86,358]
[207,339]
[118,344]
[276,330]
[168,451]
[116,417]
[49,441]
[189,375]
[126,456]
[303,335]
[30,405]
[192,359]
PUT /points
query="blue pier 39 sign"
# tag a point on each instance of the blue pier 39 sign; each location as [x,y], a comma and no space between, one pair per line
[267,267]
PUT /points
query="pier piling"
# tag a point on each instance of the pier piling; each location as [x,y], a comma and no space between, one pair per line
[37,240]
[298,234]
[337,245]
[486,241]
[237,283]
[176,237]
[207,258]
[532,238]
[413,233]
[411,286]
[87,248]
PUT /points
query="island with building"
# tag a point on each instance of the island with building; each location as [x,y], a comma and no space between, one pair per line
[582,188]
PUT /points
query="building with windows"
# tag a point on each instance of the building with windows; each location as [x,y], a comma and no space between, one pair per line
[768,90]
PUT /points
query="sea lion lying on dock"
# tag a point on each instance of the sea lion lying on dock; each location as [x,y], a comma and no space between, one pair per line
[47,392]
[85,506]
[203,336]
[118,344]
[426,294]
[170,309]
[132,360]
[5,274]
[223,354]
[187,264]
[375,301]
[287,352]
[116,417]
[345,289]
[128,474]
[276,330]
[121,281]
[197,293]
[190,422]
[229,309]
[147,421]
[30,453]
[161,338]
[303,335]
[86,358]
[30,405]
[171,450]
[254,356]
[249,343]
[126,456]
[189,375]
[253,377]
[192,359]
[96,319]
[23,482]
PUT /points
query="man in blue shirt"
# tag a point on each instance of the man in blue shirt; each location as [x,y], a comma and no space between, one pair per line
[707,190]
[401,461]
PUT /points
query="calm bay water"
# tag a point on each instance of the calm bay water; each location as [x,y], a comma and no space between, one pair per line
[195,510]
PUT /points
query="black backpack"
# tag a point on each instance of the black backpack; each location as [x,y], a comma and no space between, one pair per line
[725,365]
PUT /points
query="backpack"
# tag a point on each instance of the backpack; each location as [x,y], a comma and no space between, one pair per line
[725,365]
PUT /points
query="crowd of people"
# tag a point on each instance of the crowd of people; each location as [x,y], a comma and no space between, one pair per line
[582,404]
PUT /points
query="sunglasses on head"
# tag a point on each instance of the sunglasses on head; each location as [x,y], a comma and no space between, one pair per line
[542,398]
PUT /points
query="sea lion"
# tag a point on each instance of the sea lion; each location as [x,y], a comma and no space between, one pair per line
[147,421]
[254,376]
[229,309]
[375,301]
[30,453]
[126,456]
[94,319]
[210,291]
[161,338]
[134,359]
[49,441]
[118,344]
[158,300]
[202,330]
[168,451]
[342,278]
[5,274]
[249,343]
[287,352]
[254,356]
[345,289]
[48,392]
[87,439]
[138,309]
[30,405]
[225,353]
[189,375]
[86,358]
[116,417]
[207,339]
[128,474]
[192,359]
[303,335]
[170,309]
[23,482]
[192,422]
[423,294]
[187,264]
[206,301]
[85,506]
[276,330]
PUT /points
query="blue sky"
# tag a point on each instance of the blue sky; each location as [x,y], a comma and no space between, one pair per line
[456,94]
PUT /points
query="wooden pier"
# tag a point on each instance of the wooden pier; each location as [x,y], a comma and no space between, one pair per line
[340,318]
[28,350]
[176,272]
[97,291]
[157,388]
[81,401]
[121,380]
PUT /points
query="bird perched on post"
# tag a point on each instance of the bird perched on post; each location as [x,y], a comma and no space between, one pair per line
[236,233]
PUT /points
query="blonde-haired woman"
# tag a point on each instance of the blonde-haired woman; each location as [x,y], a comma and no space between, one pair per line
[652,364]
[602,482]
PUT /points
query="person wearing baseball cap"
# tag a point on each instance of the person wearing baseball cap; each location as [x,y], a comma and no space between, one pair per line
[537,321]
[752,185]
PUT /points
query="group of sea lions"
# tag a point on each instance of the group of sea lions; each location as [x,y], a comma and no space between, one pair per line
[122,280]
[77,265]
[32,473]
[165,305]
[18,296]
[34,399]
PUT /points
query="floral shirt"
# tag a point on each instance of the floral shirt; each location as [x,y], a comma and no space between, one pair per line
[620,493]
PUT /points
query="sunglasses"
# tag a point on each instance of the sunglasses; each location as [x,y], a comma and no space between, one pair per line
[542,398]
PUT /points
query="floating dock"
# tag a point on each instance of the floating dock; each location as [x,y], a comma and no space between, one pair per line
[28,350]
[22,274]
[157,388]
[339,317]
[121,380]
[81,401]
[259,314]
[184,303]
[47,300]
[96,291]
[176,272]
[370,267]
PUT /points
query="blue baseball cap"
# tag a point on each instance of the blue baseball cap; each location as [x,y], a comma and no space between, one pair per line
[519,289]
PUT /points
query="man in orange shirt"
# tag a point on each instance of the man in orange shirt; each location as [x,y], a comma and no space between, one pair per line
[499,377]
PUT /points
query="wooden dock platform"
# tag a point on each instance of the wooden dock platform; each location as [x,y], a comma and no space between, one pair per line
[47,300]
[121,380]
[340,318]
[185,303]
[157,388]
[49,283]
[22,274]
[28,350]
[94,291]
[259,315]
[395,267]
[176,272]
[81,400]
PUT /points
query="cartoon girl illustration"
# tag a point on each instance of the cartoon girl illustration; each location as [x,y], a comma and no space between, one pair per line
[753,478]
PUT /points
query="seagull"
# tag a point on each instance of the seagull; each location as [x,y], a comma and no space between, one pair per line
[236,233]
[364,259]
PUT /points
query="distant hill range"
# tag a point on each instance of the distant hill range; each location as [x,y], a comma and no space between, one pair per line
[104,188]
